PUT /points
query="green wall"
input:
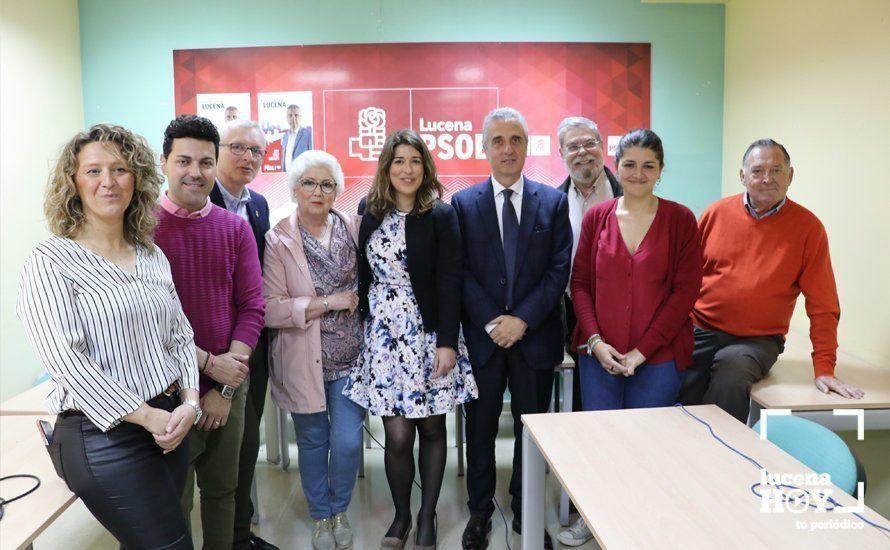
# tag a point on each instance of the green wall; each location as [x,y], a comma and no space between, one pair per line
[126,49]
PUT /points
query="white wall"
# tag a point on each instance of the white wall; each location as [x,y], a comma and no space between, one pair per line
[815,76]
[41,106]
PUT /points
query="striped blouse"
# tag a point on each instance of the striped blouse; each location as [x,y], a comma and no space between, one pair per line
[110,339]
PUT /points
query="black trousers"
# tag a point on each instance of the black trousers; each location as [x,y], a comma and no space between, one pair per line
[250,443]
[530,392]
[124,479]
[724,367]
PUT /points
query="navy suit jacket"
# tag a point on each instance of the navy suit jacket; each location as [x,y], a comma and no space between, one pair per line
[257,213]
[543,262]
[304,143]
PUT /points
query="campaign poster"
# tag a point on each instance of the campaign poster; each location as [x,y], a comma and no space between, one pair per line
[286,121]
[352,96]
[221,108]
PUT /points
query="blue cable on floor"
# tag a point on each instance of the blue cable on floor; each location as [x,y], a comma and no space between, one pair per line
[834,503]
[504,518]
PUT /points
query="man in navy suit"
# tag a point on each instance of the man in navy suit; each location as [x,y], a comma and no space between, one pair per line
[296,140]
[517,245]
[242,148]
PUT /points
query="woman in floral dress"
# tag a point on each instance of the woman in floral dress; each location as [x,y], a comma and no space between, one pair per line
[414,366]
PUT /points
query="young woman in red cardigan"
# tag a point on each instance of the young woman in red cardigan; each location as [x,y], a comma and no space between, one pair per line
[636,276]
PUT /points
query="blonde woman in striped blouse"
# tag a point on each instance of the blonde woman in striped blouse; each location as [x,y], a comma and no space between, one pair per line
[99,307]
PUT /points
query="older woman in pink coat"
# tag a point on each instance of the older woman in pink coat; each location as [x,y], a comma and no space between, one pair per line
[309,281]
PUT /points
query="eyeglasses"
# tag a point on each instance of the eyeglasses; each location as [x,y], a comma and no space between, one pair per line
[590,145]
[327,186]
[239,149]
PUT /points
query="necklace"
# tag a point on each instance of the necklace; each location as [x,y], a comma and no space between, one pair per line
[324,229]
[327,229]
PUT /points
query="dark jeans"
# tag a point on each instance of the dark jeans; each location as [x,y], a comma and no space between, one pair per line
[250,444]
[530,392]
[650,386]
[124,479]
[724,367]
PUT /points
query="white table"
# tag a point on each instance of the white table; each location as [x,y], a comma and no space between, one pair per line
[29,402]
[655,478]
[789,385]
[23,452]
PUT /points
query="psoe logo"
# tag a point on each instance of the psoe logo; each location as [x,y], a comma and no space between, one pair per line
[371,134]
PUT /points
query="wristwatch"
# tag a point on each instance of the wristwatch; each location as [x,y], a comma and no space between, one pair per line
[227,392]
[195,405]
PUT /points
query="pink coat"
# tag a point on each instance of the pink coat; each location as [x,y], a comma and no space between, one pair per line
[295,372]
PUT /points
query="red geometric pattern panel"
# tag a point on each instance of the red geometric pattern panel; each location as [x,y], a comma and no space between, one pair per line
[361,92]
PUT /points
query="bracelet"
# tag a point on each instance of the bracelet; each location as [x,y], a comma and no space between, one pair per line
[210,366]
[592,342]
[195,405]
[327,306]
[206,359]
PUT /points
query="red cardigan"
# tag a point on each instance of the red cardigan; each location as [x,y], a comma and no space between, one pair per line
[657,322]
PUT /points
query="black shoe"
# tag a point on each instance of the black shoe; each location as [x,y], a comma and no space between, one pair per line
[476,532]
[548,542]
[256,543]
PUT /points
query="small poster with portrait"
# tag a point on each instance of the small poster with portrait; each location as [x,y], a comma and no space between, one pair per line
[286,120]
[221,108]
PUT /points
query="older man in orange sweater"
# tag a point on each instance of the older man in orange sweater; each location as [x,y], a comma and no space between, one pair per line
[761,250]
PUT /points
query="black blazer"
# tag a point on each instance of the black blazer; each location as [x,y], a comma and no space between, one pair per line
[434,267]
[257,213]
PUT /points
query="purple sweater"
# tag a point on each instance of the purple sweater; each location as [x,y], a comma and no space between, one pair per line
[218,277]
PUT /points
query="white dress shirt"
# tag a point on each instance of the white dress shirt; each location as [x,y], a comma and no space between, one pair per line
[579,205]
[291,145]
[515,198]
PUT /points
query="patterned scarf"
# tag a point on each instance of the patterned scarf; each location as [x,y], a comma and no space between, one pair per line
[334,271]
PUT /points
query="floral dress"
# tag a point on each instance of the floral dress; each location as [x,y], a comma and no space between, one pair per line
[393,372]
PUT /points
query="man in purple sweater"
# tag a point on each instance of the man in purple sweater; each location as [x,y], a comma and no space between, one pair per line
[216,270]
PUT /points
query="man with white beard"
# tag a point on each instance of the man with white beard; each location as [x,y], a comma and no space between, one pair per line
[589,183]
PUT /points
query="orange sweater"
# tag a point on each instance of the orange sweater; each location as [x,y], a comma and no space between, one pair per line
[754,271]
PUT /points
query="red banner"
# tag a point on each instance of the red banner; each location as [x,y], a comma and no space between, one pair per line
[345,99]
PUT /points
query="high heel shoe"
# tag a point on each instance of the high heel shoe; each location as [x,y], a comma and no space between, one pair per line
[395,543]
[435,535]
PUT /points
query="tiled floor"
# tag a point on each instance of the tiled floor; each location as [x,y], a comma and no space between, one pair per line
[284,519]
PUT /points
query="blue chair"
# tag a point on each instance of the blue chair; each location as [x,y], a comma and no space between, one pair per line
[817,447]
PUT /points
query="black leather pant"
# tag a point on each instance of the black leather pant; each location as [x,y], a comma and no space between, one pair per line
[124,479]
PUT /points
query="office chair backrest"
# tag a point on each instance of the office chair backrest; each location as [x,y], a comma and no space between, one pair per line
[816,446]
